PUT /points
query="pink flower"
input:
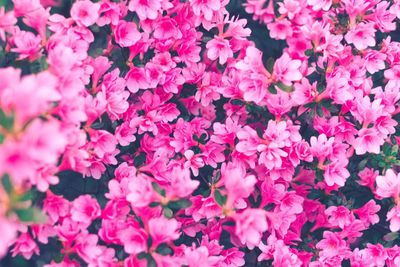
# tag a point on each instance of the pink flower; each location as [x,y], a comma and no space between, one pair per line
[166,28]
[368,212]
[368,140]
[332,245]
[126,34]
[336,173]
[388,185]
[287,70]
[27,45]
[85,209]
[320,4]
[85,12]
[361,36]
[338,216]
[136,79]
[374,61]
[280,29]
[8,231]
[219,48]
[25,246]
[205,8]
[163,230]
[237,183]
[194,162]
[393,216]
[248,141]
[145,9]
[7,21]
[133,239]
[250,226]
[55,206]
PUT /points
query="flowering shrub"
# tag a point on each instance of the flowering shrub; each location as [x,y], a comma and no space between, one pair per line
[178,133]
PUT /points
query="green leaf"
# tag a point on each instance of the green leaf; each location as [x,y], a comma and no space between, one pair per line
[284,87]
[179,204]
[6,181]
[270,64]
[219,198]
[6,121]
[32,214]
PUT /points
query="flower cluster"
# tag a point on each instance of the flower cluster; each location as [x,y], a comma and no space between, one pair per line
[156,133]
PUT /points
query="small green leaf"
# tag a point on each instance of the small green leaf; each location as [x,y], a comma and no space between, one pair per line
[219,198]
[179,204]
[6,181]
[285,87]
[168,213]
[272,89]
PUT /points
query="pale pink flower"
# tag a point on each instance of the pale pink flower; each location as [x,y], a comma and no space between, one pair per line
[205,8]
[27,45]
[8,231]
[388,185]
[393,216]
[320,4]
